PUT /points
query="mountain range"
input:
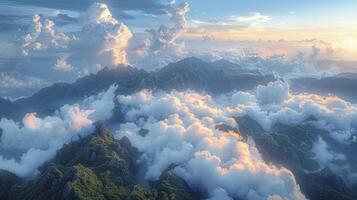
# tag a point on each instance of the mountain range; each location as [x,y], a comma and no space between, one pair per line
[191,73]
[101,167]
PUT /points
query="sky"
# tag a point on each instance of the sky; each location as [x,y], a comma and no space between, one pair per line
[42,41]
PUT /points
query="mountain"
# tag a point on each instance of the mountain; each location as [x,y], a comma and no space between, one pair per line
[213,78]
[350,75]
[191,73]
[289,146]
[340,86]
[6,107]
[96,167]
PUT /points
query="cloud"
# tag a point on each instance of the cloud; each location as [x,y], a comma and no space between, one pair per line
[275,92]
[254,18]
[180,130]
[103,38]
[162,45]
[237,22]
[43,37]
[7,81]
[165,37]
[219,194]
[274,103]
[324,155]
[62,64]
[24,147]
[147,6]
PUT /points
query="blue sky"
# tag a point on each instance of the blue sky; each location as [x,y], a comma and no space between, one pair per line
[299,12]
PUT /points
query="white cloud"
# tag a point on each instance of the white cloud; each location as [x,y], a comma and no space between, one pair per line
[324,155]
[38,139]
[181,132]
[162,47]
[62,64]
[11,82]
[253,18]
[275,92]
[43,37]
[102,40]
[274,103]
[103,37]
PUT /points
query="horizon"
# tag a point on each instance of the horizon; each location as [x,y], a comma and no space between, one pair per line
[49,42]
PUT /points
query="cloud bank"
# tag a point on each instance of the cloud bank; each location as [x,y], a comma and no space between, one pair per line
[180,129]
[25,147]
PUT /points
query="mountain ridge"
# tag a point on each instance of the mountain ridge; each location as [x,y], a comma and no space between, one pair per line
[190,73]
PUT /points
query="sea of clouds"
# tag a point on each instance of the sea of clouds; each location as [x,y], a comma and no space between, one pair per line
[27,145]
[180,130]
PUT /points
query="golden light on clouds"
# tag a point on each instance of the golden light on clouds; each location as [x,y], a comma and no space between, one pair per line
[340,39]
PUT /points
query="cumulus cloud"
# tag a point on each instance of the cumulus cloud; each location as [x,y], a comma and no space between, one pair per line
[102,40]
[103,36]
[43,37]
[165,36]
[180,130]
[62,64]
[275,92]
[36,140]
[162,46]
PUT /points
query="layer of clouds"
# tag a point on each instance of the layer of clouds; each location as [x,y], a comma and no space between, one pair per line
[148,6]
[179,129]
[290,59]
[274,103]
[26,146]
[233,21]
[15,85]
[338,118]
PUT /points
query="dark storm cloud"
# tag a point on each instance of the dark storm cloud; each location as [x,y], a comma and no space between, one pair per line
[147,6]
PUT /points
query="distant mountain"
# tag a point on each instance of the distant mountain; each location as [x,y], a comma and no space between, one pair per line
[213,78]
[350,75]
[340,86]
[96,167]
[6,107]
[191,73]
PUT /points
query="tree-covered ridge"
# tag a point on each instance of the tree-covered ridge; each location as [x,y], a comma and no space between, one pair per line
[95,167]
